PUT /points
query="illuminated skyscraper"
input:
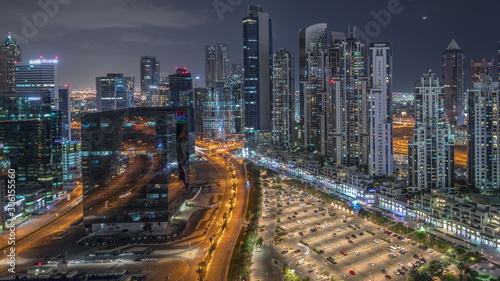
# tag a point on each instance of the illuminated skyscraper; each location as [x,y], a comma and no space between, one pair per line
[150,76]
[431,151]
[313,59]
[257,50]
[210,65]
[351,134]
[65,107]
[380,102]
[30,138]
[480,68]
[453,81]
[216,63]
[10,55]
[223,68]
[483,160]
[114,92]
[37,76]
[283,98]
[181,84]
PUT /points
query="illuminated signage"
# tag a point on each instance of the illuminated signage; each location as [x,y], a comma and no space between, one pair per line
[181,116]
[40,61]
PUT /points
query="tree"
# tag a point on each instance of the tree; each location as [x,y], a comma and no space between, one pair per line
[449,277]
[472,274]
[418,275]
[259,241]
[435,268]
[290,275]
[451,253]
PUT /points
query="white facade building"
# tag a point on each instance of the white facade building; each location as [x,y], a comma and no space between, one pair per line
[484,133]
[380,99]
[431,151]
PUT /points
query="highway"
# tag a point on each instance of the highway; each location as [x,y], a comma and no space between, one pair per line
[221,259]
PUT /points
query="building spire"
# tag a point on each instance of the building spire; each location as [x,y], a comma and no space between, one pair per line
[453,46]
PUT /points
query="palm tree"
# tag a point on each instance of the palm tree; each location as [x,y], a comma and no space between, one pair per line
[452,253]
[417,275]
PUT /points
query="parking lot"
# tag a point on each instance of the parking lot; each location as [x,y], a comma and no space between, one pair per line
[323,238]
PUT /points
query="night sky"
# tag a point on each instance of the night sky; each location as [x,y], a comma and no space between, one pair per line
[95,37]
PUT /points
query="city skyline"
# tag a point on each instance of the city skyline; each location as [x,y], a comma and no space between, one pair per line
[114,42]
[260,113]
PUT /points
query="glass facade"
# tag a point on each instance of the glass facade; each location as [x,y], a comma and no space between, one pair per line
[129,158]
[114,92]
[30,138]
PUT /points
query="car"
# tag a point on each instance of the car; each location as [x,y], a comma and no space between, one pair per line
[372,264]
[334,234]
[337,229]
[295,213]
[319,277]
[416,256]
[375,241]
[401,264]
[38,263]
[430,251]
[396,272]
[347,237]
[258,250]
[361,234]
[301,234]
[388,276]
[350,241]
[296,251]
[352,272]
[310,270]
[353,236]
[344,221]
[395,235]
[284,252]
[298,221]
[404,268]
[343,253]
[383,270]
[357,253]
[322,251]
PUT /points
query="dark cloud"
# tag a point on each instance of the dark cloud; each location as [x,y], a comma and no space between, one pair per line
[94,37]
